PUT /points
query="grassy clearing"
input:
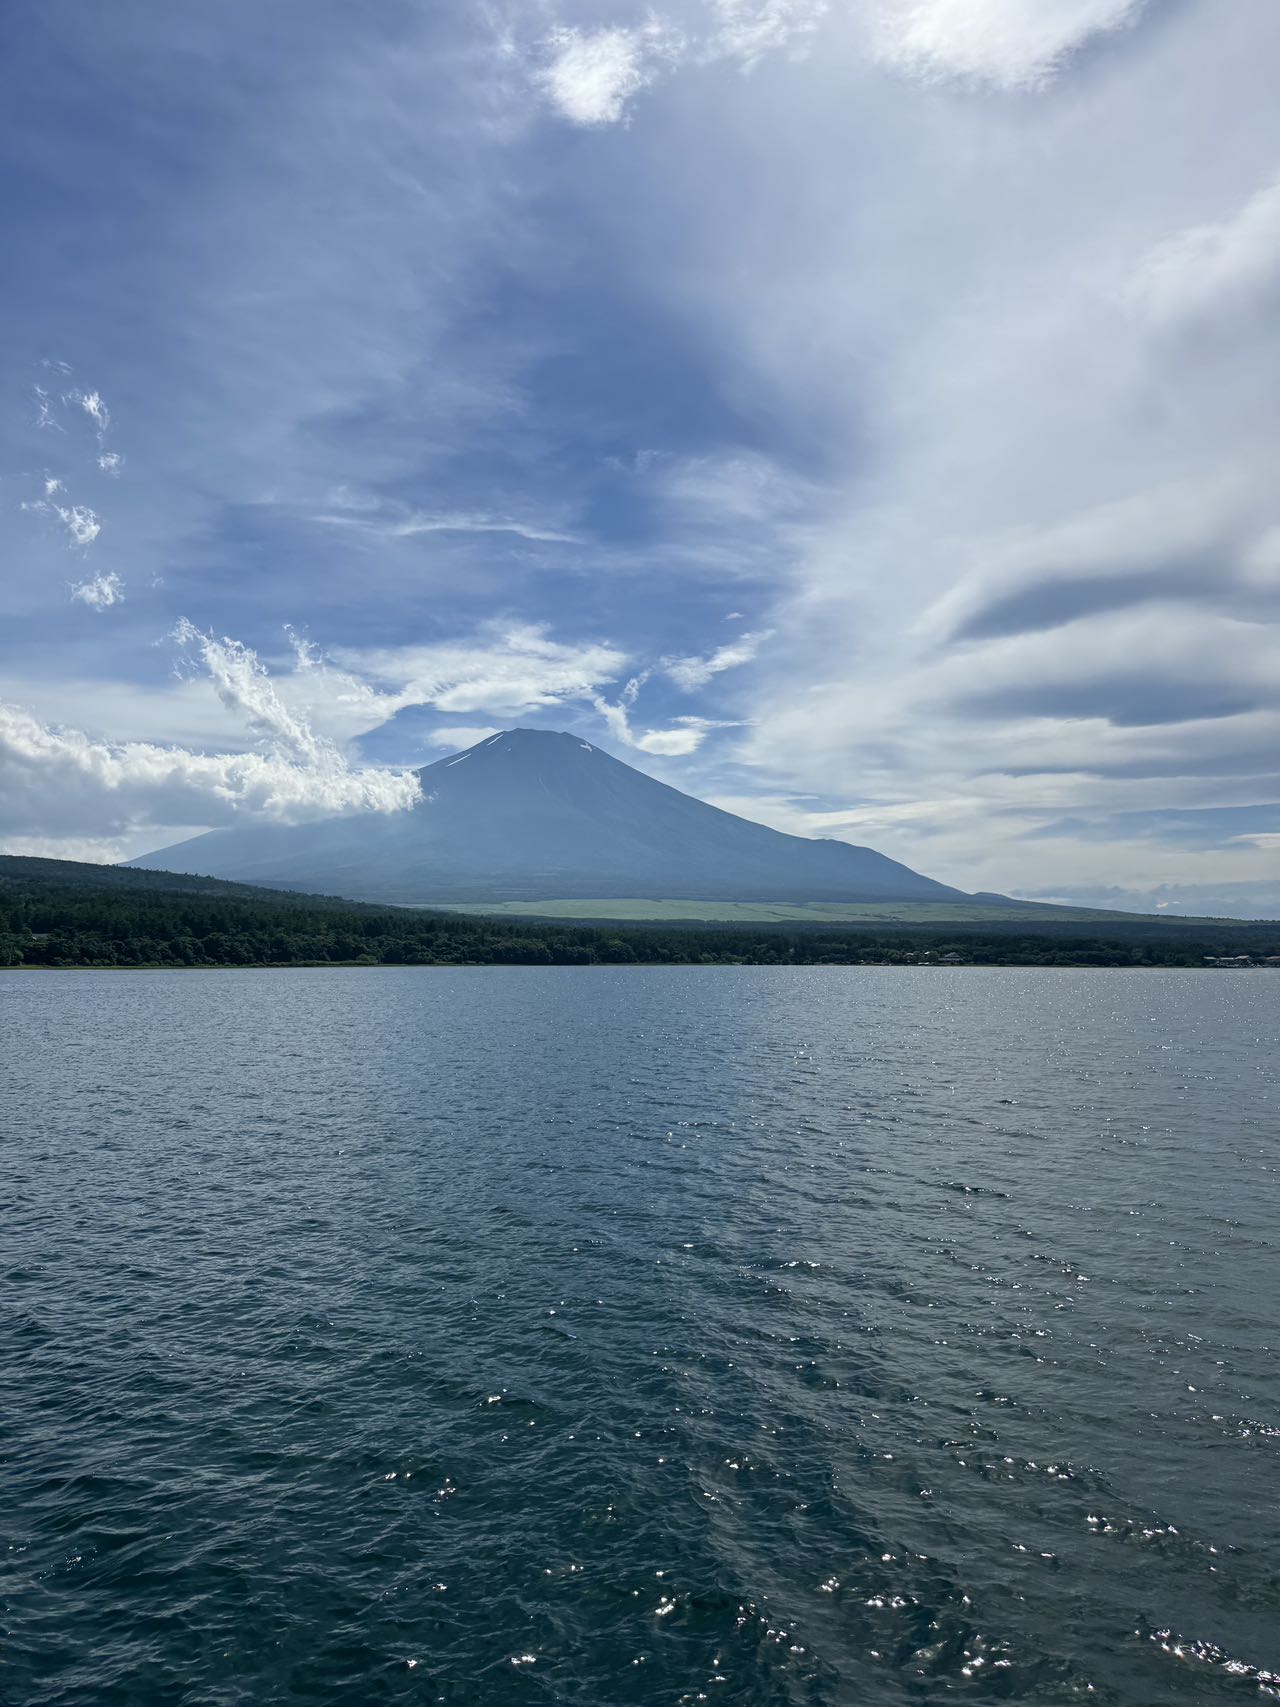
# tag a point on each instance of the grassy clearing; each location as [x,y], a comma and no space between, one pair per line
[788,912]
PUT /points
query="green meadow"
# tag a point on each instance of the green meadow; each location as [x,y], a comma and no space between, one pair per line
[796,912]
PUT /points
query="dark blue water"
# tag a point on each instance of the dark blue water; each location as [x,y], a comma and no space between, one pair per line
[607,1336]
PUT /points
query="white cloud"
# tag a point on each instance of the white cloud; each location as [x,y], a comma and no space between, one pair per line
[111,462]
[591,75]
[1035,568]
[693,673]
[747,30]
[101,592]
[1011,43]
[462,522]
[82,525]
[1008,834]
[682,737]
[1261,560]
[506,671]
[913,295]
[1145,545]
[93,406]
[1132,665]
[397,521]
[90,850]
[242,684]
[61,782]
[1233,900]
[463,735]
[171,711]
[744,487]
[1215,268]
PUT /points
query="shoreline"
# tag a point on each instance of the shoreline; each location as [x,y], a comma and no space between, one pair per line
[645,966]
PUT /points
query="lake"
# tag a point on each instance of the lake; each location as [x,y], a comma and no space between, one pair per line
[640,1335]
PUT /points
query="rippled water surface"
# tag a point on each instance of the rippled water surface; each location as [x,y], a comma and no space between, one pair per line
[621,1335]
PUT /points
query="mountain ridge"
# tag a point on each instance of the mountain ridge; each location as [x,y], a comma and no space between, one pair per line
[535,814]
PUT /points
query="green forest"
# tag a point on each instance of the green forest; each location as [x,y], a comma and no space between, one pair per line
[56,913]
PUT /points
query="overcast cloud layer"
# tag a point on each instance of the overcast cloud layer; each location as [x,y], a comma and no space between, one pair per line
[862,414]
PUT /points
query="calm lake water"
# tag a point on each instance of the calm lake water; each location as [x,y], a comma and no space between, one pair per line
[609,1336]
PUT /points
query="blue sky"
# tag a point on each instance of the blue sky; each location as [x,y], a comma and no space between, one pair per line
[862,415]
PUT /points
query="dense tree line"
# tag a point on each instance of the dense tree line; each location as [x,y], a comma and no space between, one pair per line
[55,913]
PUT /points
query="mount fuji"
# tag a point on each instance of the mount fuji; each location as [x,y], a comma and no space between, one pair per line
[532,815]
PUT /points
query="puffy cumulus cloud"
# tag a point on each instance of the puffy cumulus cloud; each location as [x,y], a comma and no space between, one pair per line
[59,782]
[101,592]
[591,75]
[692,673]
[1010,43]
[171,710]
[1217,268]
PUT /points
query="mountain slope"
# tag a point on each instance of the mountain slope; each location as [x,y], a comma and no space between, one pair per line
[534,815]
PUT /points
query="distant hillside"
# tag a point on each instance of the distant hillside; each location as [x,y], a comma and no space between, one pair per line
[532,815]
[27,872]
[55,913]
